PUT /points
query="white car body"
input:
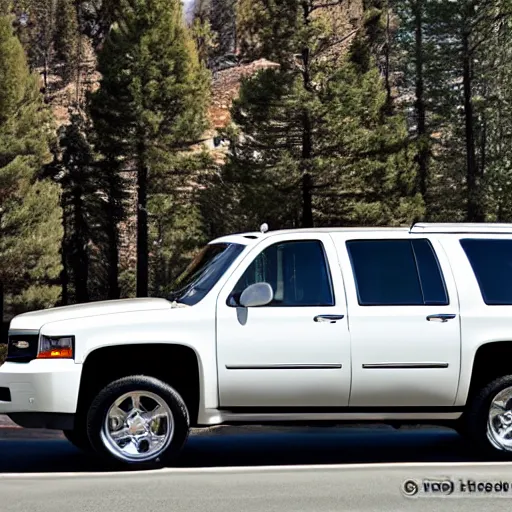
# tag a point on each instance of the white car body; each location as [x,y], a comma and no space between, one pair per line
[383,363]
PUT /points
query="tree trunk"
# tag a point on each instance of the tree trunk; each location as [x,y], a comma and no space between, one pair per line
[2,305]
[307,136]
[114,291]
[45,75]
[422,157]
[307,180]
[307,201]
[389,99]
[142,226]
[64,275]
[80,257]
[64,283]
[474,208]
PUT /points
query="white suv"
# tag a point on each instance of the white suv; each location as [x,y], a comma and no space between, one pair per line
[378,325]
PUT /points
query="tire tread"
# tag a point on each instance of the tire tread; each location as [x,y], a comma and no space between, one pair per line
[109,393]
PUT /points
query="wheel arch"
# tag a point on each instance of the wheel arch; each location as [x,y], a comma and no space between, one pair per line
[491,360]
[176,364]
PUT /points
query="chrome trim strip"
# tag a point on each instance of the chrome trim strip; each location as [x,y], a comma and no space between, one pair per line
[399,366]
[218,417]
[285,367]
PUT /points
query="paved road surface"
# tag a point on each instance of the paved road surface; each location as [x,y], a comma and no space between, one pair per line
[252,471]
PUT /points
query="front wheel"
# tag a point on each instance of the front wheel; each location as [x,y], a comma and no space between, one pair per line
[489,418]
[79,439]
[138,420]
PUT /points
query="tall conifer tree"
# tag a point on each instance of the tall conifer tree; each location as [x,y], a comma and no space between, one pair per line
[151,104]
[314,143]
[30,215]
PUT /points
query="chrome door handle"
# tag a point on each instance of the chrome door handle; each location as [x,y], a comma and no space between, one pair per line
[329,318]
[440,318]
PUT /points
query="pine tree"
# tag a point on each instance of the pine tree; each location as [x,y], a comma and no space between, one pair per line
[67,36]
[315,143]
[38,35]
[5,7]
[49,32]
[455,62]
[84,245]
[151,104]
[223,23]
[30,215]
[204,37]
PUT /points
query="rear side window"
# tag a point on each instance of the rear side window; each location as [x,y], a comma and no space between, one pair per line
[397,273]
[491,261]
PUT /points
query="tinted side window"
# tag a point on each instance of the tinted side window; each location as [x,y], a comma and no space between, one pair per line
[491,261]
[432,282]
[387,273]
[297,271]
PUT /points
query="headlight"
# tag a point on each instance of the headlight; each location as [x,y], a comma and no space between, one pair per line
[56,347]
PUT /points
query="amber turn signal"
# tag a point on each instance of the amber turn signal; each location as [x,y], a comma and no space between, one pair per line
[56,347]
[65,353]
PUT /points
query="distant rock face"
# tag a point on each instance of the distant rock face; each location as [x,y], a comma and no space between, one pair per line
[343,19]
[226,87]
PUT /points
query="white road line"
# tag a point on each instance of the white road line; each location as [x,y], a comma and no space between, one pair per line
[260,469]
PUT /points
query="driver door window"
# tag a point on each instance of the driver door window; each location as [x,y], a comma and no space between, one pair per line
[297,271]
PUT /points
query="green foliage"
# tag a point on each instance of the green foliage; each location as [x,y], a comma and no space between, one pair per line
[49,32]
[153,98]
[177,231]
[84,245]
[315,130]
[464,136]
[30,216]
[67,36]
[406,120]
[3,353]
[152,83]
[268,28]
[5,7]
[204,37]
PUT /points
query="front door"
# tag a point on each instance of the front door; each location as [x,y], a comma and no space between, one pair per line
[294,352]
[404,322]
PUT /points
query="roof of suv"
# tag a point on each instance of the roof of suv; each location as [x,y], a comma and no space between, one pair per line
[453,228]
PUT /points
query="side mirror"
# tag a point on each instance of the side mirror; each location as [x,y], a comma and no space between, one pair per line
[258,294]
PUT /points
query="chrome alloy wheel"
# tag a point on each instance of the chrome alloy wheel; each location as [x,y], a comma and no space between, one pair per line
[138,427]
[499,424]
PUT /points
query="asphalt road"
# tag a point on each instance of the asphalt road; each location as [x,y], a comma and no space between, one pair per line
[255,470]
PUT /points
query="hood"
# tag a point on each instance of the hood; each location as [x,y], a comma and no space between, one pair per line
[36,319]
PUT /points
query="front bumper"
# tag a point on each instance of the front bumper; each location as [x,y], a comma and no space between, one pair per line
[41,386]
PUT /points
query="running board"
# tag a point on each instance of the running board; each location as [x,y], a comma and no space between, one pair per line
[264,415]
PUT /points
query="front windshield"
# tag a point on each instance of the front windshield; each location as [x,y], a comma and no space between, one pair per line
[204,272]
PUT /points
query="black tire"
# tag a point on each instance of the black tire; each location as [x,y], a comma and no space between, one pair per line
[477,415]
[104,400]
[79,439]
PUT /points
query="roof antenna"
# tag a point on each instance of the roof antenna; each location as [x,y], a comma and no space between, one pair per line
[264,228]
[417,219]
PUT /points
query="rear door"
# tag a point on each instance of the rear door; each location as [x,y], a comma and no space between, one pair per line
[403,313]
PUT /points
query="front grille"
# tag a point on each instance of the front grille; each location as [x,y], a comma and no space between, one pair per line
[5,395]
[22,347]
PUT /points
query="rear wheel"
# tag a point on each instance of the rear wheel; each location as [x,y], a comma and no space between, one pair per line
[138,420]
[489,418]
